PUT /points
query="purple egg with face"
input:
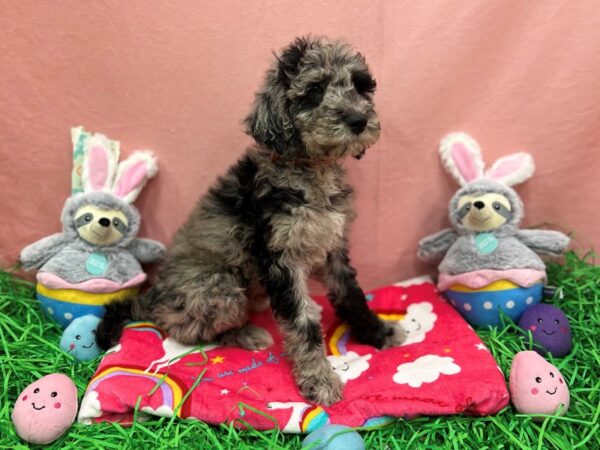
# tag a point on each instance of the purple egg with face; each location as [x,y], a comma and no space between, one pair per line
[549,327]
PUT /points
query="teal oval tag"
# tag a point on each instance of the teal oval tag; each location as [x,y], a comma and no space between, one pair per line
[486,242]
[96,263]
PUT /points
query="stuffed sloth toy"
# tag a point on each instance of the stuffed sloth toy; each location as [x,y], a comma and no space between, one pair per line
[96,258]
[489,263]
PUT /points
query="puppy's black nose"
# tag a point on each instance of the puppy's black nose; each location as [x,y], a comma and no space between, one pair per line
[356,121]
[479,205]
[104,222]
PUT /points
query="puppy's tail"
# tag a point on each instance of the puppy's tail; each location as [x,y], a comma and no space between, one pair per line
[111,326]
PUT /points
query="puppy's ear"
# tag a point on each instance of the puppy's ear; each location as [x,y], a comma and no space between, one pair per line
[270,122]
[289,60]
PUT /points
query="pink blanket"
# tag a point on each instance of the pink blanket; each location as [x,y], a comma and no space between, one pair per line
[442,369]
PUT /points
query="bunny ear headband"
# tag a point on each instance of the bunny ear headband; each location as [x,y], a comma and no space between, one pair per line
[461,156]
[103,172]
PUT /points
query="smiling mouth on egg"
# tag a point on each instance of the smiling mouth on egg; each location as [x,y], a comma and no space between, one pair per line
[37,409]
[88,346]
[549,334]
[552,393]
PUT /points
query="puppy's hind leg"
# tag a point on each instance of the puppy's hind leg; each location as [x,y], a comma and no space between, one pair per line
[249,337]
[200,303]
[350,304]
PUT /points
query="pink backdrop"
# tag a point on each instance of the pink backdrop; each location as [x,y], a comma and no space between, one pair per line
[178,77]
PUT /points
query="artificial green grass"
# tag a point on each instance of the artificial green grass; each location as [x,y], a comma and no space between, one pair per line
[29,349]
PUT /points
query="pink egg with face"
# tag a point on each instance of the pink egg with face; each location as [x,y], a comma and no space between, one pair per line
[45,409]
[536,386]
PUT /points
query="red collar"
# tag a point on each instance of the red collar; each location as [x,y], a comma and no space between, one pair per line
[304,161]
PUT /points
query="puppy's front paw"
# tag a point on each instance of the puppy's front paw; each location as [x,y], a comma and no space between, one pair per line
[321,386]
[380,334]
[395,334]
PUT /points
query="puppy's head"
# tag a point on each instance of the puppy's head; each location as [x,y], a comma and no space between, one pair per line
[317,102]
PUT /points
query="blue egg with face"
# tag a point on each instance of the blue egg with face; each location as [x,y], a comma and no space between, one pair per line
[79,338]
[549,328]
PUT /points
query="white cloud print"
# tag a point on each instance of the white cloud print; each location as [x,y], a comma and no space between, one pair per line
[349,366]
[90,408]
[425,369]
[162,411]
[418,321]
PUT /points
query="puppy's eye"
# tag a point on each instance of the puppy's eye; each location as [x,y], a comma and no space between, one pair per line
[314,90]
[468,207]
[313,96]
[116,222]
[88,217]
[497,206]
[363,83]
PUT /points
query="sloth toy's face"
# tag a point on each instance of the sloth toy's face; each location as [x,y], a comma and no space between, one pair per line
[100,226]
[483,212]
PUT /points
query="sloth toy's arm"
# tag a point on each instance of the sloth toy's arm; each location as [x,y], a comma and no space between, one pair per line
[437,244]
[37,254]
[544,242]
[146,250]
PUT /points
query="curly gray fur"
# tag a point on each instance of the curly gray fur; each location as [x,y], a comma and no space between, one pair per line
[281,213]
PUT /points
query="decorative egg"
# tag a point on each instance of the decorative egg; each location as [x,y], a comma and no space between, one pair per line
[45,409]
[79,338]
[334,437]
[536,386]
[64,305]
[484,306]
[550,329]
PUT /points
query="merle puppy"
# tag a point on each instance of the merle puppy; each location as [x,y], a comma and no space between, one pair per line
[279,215]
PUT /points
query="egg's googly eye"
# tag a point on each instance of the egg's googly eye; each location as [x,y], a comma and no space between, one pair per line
[540,320]
[54,394]
[538,380]
[36,390]
[552,374]
[556,321]
[93,332]
[78,337]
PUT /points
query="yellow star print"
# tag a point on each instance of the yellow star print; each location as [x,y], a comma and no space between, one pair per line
[217,359]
